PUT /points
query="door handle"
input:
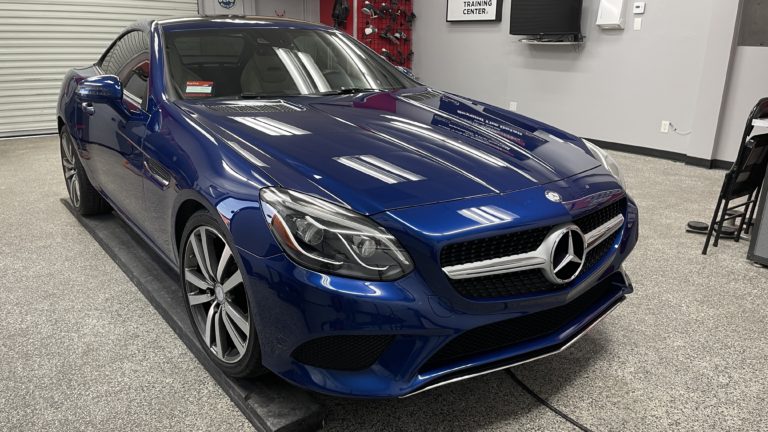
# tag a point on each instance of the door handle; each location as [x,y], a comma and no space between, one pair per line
[88,108]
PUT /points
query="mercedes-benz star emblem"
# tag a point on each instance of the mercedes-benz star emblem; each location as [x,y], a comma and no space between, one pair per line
[553,196]
[568,254]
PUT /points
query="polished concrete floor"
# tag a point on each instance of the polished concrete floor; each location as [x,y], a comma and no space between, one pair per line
[81,349]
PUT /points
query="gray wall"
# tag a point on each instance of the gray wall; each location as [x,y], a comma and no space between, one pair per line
[747,84]
[617,87]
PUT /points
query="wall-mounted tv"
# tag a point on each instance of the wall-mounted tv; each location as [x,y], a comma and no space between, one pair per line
[545,17]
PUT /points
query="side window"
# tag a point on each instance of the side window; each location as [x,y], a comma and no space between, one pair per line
[130,46]
[134,79]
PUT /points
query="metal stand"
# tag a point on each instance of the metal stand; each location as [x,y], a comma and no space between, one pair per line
[269,403]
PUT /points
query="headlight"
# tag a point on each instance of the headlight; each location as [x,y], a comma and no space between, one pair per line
[608,162]
[330,239]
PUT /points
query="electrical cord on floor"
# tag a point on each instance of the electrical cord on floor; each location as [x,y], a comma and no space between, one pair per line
[533,394]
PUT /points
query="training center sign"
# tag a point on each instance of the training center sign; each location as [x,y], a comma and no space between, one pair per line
[473,10]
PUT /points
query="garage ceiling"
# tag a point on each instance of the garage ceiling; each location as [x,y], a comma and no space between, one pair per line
[40,40]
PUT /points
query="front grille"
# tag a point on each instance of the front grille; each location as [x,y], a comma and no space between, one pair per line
[504,285]
[506,334]
[598,252]
[347,353]
[593,220]
[493,247]
[528,281]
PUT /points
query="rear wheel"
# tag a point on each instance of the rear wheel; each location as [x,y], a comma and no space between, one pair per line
[217,299]
[83,196]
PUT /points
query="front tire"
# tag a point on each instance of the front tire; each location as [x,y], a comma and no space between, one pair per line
[216,298]
[83,196]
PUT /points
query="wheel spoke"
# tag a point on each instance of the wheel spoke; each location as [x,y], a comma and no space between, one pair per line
[198,251]
[196,299]
[67,149]
[67,164]
[239,344]
[192,278]
[208,324]
[70,173]
[219,345]
[239,318]
[233,281]
[74,191]
[207,252]
[225,256]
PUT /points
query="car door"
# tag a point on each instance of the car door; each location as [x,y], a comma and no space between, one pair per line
[115,131]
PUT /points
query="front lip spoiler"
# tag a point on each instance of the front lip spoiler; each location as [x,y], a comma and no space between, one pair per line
[520,361]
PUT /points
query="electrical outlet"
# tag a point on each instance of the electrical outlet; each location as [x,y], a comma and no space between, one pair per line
[665,126]
[513,106]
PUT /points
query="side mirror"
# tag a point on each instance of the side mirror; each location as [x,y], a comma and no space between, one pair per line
[101,88]
[407,72]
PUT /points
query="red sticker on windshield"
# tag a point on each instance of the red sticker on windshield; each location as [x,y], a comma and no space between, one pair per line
[199,88]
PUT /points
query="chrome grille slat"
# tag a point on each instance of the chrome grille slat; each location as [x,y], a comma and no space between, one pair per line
[527,261]
[481,270]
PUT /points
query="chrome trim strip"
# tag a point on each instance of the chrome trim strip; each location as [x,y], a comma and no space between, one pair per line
[514,263]
[394,169]
[378,168]
[604,231]
[530,260]
[563,348]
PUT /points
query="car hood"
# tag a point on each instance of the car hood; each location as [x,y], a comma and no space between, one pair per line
[387,150]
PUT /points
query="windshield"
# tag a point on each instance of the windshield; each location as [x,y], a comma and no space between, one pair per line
[274,62]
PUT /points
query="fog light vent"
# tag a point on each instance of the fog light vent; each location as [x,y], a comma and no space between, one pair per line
[349,353]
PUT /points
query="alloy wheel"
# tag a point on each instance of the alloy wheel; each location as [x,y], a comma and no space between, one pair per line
[216,294]
[70,169]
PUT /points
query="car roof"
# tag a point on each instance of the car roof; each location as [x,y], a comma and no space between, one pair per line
[225,21]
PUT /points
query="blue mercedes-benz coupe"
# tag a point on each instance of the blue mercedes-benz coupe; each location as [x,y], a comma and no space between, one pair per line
[333,220]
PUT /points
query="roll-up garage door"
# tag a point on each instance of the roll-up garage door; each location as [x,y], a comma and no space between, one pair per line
[41,39]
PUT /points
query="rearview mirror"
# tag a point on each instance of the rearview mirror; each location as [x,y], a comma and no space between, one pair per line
[101,88]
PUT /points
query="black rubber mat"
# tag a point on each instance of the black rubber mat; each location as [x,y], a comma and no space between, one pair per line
[269,403]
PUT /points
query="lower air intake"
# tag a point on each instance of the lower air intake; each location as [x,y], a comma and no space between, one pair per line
[347,353]
[506,334]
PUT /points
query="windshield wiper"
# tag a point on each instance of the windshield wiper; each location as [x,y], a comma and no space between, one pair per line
[247,95]
[346,91]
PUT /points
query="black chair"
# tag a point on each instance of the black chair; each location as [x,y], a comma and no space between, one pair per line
[744,179]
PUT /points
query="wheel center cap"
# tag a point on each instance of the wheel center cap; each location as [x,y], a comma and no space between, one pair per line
[219,292]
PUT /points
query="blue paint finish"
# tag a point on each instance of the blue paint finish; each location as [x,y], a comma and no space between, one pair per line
[463,154]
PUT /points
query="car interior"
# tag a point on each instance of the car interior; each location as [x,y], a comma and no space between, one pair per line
[247,63]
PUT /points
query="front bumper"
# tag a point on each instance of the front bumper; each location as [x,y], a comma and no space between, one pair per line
[295,306]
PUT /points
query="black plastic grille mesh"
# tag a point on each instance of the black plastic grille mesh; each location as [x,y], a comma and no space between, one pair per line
[524,282]
[505,334]
[349,353]
[504,285]
[601,217]
[596,253]
[493,247]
